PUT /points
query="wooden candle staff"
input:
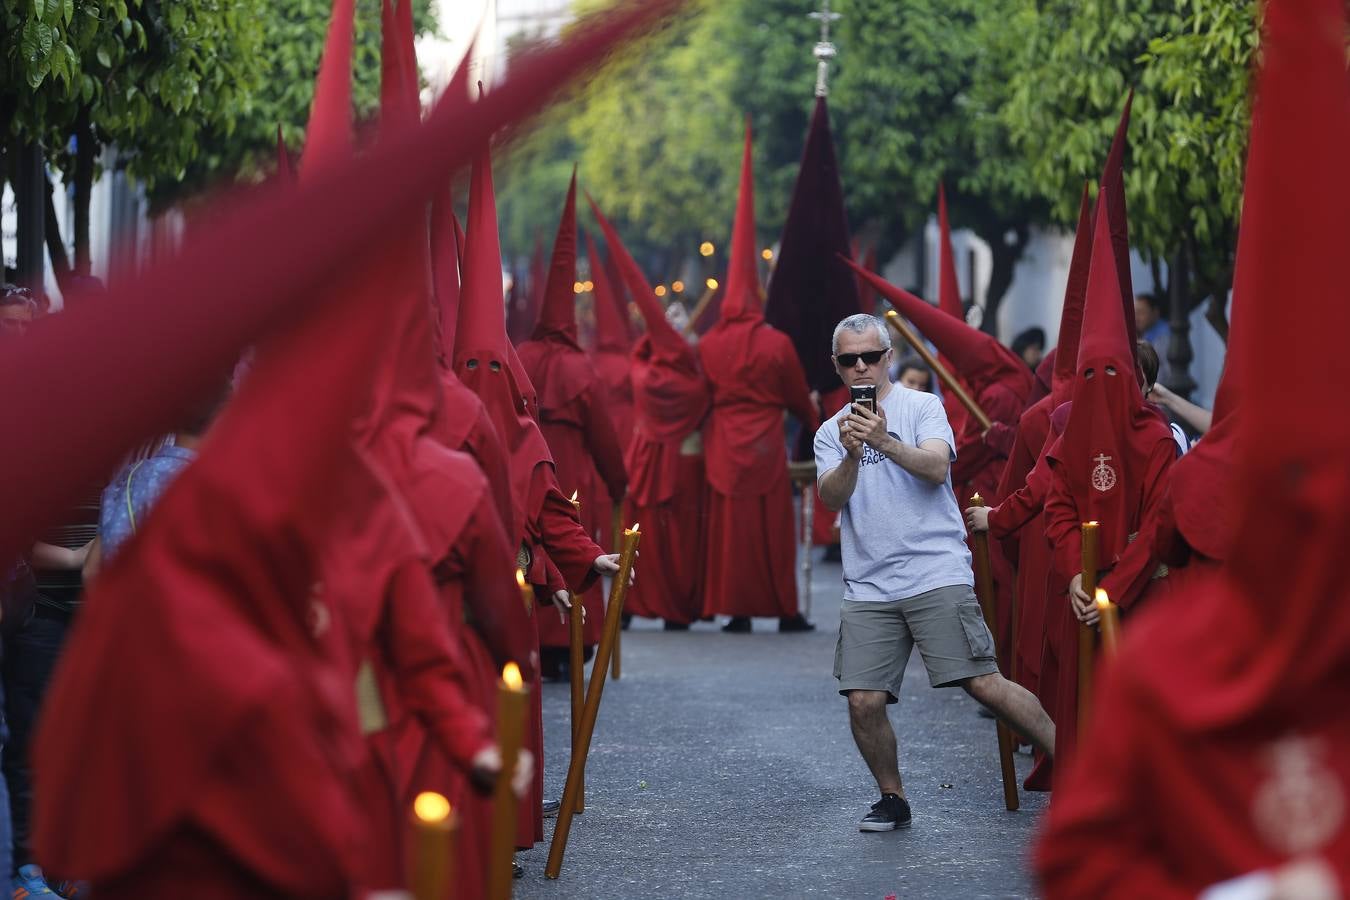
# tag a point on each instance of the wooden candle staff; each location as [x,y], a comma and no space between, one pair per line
[616,667]
[576,666]
[577,765]
[1110,622]
[949,381]
[1087,635]
[699,309]
[434,825]
[512,702]
[984,589]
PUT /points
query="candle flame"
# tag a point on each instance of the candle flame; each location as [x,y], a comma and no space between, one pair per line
[1093,524]
[1103,601]
[635,527]
[520,577]
[977,499]
[511,676]
[431,807]
[574,496]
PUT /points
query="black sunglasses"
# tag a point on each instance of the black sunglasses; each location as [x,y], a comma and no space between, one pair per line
[849,360]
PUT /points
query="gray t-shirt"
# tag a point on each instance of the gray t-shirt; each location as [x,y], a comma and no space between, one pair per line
[901,535]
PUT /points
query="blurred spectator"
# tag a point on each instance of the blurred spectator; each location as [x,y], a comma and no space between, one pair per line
[1148,368]
[1030,345]
[911,372]
[129,497]
[1150,321]
[17,310]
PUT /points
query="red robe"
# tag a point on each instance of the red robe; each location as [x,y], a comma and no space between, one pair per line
[752,543]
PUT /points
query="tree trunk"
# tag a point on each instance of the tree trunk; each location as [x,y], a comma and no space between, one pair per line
[86,151]
[56,248]
[1179,353]
[27,178]
[1005,257]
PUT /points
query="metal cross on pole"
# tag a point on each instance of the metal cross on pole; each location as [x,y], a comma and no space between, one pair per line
[824,50]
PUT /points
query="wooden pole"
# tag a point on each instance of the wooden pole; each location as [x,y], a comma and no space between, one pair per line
[616,667]
[984,589]
[576,667]
[698,310]
[1087,637]
[949,381]
[577,765]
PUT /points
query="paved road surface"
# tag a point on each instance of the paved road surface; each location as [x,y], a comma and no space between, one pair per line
[722,766]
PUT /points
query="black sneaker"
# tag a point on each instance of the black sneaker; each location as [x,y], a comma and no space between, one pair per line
[675,626]
[551,808]
[888,813]
[737,625]
[789,624]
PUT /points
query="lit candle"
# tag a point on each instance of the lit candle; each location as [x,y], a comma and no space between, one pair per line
[512,701]
[1110,621]
[434,825]
[576,767]
[526,592]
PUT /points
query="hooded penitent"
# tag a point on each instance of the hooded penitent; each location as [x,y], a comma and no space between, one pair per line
[573,413]
[755,375]
[612,355]
[1228,752]
[809,293]
[664,458]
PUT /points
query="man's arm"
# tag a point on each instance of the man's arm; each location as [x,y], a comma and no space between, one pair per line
[929,461]
[837,485]
[837,462]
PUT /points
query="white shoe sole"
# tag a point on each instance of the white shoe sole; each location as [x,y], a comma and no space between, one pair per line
[882,826]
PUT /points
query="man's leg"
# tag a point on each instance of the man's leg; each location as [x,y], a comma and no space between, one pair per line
[875,738]
[1015,706]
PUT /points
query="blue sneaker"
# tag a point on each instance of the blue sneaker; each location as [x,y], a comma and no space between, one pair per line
[30,882]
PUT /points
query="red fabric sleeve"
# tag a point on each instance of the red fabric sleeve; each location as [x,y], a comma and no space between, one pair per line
[1023,504]
[1131,573]
[565,541]
[1063,529]
[1097,840]
[554,579]
[796,392]
[602,440]
[490,590]
[428,670]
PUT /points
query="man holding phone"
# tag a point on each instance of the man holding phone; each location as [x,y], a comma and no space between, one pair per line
[884,462]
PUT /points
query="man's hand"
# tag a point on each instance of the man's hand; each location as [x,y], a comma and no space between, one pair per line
[870,427]
[609,565]
[1084,607]
[977,518]
[849,438]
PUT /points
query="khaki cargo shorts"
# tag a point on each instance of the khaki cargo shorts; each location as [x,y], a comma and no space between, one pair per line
[875,640]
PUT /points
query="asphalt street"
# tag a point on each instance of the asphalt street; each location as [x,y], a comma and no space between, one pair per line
[722,766]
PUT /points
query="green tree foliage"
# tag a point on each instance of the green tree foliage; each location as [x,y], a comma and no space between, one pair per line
[1189,61]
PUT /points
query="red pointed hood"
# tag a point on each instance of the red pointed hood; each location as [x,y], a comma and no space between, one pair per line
[742,301]
[949,288]
[978,358]
[484,358]
[1112,185]
[1071,314]
[1111,435]
[285,168]
[611,325]
[662,339]
[557,316]
[446,247]
[328,136]
[1265,644]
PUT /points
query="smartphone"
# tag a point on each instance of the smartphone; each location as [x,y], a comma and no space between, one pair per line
[864,395]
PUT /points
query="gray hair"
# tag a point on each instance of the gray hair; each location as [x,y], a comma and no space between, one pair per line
[860,324]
